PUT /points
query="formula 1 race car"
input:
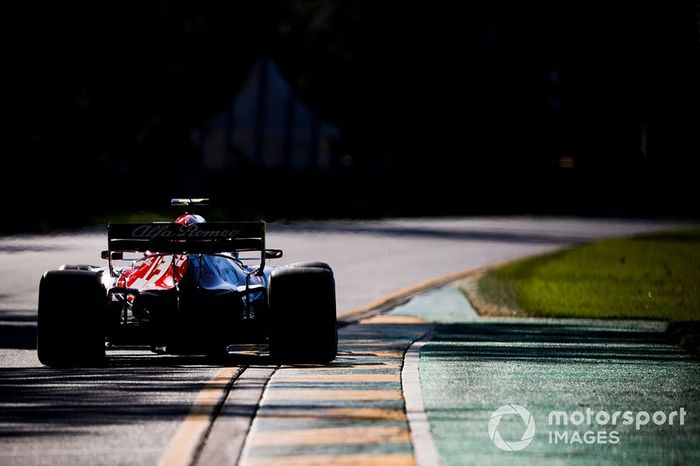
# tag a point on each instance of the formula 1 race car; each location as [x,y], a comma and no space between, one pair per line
[186,288]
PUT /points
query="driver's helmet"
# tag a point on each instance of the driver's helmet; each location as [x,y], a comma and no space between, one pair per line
[189,219]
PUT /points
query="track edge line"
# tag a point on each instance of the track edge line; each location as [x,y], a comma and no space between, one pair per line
[424,448]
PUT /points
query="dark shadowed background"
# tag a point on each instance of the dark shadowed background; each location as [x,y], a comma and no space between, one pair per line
[287,109]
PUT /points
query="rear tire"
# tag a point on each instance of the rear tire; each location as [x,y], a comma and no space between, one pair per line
[303,317]
[71,317]
[315,265]
[77,267]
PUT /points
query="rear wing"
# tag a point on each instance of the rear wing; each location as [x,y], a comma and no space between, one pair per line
[189,202]
[197,238]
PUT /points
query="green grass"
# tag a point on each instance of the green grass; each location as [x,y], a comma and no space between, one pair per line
[650,277]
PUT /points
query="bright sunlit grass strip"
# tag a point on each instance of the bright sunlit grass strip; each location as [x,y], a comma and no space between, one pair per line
[651,277]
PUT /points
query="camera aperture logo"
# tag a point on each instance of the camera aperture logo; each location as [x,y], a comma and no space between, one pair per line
[509,410]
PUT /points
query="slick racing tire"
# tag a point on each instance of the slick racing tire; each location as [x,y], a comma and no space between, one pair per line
[70,331]
[77,267]
[315,265]
[303,319]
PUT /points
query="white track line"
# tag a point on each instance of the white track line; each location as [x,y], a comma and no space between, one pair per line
[423,445]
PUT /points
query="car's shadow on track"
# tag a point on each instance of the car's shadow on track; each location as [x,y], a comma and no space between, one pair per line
[46,401]
[133,388]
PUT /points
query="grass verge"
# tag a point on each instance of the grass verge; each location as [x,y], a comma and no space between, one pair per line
[653,276]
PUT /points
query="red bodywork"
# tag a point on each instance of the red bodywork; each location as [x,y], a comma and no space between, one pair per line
[157,271]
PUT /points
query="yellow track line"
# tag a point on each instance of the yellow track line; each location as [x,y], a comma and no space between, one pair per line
[183,445]
[333,436]
[396,459]
[341,414]
[320,394]
[287,377]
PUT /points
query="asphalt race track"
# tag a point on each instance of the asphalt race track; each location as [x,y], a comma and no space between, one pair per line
[139,410]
